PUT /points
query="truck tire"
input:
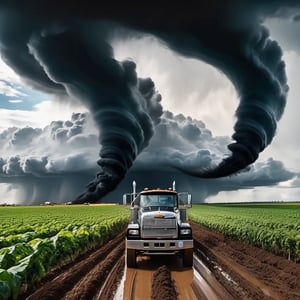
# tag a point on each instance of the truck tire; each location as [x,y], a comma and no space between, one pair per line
[188,257]
[131,258]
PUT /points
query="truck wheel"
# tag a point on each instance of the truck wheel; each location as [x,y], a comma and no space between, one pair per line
[188,257]
[131,258]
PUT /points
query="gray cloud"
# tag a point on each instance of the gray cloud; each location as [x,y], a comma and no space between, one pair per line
[12,167]
[171,149]
[266,173]
[62,146]
[35,166]
[181,141]
[24,136]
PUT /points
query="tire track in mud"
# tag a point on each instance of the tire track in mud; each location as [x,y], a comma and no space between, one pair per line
[155,276]
[112,280]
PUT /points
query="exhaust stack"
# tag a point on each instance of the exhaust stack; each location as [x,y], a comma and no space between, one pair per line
[134,187]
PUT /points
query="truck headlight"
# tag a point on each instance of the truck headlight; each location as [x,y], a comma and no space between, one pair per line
[185,231]
[134,232]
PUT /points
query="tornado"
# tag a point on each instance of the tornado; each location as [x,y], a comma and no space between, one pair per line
[124,107]
[254,64]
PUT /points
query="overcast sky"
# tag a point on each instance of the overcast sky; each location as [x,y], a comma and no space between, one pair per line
[49,144]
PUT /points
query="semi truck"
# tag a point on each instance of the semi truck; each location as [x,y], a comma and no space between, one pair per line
[158,224]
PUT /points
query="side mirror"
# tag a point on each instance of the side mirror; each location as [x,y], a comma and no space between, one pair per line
[185,200]
[128,198]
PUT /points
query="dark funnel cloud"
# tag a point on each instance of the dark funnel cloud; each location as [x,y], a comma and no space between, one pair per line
[253,62]
[63,47]
[124,107]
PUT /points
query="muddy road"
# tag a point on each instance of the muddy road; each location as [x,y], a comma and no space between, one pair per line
[223,269]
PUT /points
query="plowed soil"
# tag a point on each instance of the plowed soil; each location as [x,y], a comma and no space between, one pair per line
[245,272]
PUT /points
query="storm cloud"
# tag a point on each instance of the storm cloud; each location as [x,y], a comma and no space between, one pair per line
[58,174]
[68,52]
[172,148]
[59,147]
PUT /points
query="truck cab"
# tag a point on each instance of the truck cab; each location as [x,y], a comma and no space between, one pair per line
[158,225]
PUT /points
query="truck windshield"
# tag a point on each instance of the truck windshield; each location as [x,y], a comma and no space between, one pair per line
[158,200]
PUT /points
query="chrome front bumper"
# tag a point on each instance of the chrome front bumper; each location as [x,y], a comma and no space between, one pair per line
[159,246]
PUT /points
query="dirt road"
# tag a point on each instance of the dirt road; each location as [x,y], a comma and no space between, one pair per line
[223,269]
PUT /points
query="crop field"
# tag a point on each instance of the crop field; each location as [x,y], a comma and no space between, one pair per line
[275,227]
[34,239]
[37,239]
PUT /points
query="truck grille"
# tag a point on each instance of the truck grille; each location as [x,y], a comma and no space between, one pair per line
[159,228]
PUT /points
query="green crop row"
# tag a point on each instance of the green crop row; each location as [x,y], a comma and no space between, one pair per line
[273,227]
[56,235]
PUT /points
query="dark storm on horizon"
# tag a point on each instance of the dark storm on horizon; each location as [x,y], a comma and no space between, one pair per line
[65,49]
